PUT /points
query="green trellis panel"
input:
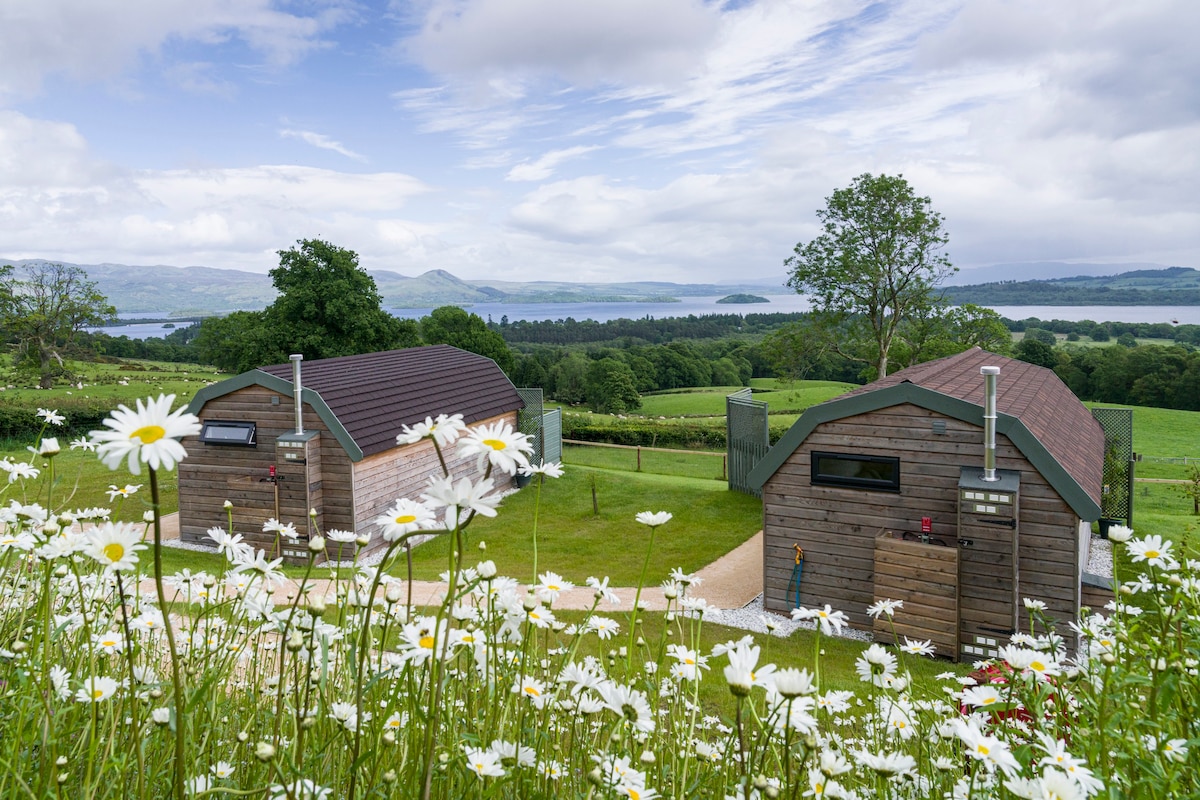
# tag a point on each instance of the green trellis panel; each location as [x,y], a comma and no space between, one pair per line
[1117,501]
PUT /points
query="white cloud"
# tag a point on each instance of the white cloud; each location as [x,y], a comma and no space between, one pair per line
[543,167]
[322,141]
[586,43]
[87,41]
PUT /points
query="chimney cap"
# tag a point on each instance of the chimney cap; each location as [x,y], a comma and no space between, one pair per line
[989,370]
[296,356]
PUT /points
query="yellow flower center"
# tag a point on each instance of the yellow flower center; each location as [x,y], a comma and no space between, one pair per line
[982,750]
[426,642]
[531,690]
[987,701]
[404,519]
[633,793]
[149,434]
[114,551]
[495,444]
[1151,554]
[1037,666]
[97,694]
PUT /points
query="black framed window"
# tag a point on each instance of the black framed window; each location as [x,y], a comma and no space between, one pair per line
[881,473]
[240,434]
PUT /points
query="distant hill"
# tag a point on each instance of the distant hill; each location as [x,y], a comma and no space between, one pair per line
[1040,271]
[1167,286]
[195,291]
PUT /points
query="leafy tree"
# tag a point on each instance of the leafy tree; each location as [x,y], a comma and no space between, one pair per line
[454,326]
[328,306]
[877,263]
[1035,351]
[46,311]
[568,379]
[238,342]
[611,387]
[1042,335]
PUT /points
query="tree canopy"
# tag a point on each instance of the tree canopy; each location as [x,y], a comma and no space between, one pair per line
[876,264]
[45,311]
[454,326]
[327,306]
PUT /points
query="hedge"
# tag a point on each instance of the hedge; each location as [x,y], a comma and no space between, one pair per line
[684,434]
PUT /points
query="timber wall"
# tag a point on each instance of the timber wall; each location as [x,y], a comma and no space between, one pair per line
[837,526]
[352,495]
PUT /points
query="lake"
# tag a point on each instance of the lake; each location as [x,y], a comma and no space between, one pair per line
[783,303]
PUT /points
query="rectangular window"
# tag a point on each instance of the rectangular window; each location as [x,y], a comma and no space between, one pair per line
[232,433]
[881,473]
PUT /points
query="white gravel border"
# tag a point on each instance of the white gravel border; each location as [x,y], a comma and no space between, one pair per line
[752,617]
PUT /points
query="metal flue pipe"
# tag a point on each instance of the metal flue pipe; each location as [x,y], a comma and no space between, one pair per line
[990,374]
[296,390]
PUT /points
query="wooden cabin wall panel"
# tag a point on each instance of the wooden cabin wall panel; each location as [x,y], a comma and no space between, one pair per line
[381,479]
[825,519]
[1095,597]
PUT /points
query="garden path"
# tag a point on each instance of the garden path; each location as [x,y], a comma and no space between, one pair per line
[732,581]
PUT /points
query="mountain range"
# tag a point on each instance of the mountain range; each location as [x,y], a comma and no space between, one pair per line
[191,291]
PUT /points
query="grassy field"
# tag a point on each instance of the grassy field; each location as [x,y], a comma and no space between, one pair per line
[111,383]
[793,398]
[709,521]
[1162,432]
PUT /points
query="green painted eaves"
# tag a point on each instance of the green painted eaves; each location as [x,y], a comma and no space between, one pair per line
[257,377]
[1012,427]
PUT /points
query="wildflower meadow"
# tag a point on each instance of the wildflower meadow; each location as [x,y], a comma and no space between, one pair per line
[119,681]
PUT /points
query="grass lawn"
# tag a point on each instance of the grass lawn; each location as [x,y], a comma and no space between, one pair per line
[698,465]
[113,383]
[709,521]
[782,397]
[1162,432]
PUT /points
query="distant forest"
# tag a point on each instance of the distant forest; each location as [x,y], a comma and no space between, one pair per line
[571,358]
[1173,286]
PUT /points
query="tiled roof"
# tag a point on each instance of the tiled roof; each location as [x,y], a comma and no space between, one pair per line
[373,394]
[1032,394]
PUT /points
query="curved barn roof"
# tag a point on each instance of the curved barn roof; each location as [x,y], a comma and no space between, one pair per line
[364,399]
[1035,410]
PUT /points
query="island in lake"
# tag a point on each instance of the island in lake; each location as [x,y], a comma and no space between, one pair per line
[739,299]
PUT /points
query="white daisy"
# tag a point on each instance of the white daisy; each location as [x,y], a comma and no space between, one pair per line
[498,444]
[148,435]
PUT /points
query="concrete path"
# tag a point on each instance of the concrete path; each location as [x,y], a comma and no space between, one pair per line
[732,581]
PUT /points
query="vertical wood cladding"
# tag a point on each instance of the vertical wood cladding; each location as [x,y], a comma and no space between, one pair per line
[837,526]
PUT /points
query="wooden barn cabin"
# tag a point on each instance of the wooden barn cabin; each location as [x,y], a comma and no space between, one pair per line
[960,486]
[282,440]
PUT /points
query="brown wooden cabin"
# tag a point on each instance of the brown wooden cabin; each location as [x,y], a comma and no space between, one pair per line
[852,482]
[342,461]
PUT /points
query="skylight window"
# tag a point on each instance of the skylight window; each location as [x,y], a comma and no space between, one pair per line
[239,434]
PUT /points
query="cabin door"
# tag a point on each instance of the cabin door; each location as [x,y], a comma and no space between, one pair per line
[989,567]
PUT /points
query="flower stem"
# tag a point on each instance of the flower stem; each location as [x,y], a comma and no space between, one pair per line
[176,680]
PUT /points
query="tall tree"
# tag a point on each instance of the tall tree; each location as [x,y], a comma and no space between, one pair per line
[328,306]
[46,310]
[878,262]
[451,325]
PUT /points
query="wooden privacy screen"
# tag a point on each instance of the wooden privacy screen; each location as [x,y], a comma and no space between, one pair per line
[925,577]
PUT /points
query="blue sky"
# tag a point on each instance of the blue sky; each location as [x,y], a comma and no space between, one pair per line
[675,140]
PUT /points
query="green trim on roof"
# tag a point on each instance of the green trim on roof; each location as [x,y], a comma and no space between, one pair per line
[257,377]
[888,396]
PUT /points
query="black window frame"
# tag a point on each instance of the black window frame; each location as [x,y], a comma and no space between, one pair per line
[250,439]
[819,478]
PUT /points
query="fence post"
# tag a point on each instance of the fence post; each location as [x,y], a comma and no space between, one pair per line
[639,454]
[724,459]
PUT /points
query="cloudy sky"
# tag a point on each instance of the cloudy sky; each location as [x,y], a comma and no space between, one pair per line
[681,140]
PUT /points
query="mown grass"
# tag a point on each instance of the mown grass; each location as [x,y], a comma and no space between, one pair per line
[701,465]
[575,542]
[782,397]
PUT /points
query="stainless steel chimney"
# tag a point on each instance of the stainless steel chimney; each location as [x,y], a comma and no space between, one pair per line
[296,390]
[989,421]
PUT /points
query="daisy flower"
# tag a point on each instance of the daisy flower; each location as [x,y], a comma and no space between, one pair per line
[884,607]
[551,469]
[876,665]
[404,517]
[653,518]
[115,545]
[917,648]
[498,444]
[460,497]
[287,531]
[51,417]
[484,763]
[550,585]
[82,443]
[96,690]
[303,789]
[1154,550]
[150,435]
[829,620]
[222,769]
[444,430]
[123,492]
